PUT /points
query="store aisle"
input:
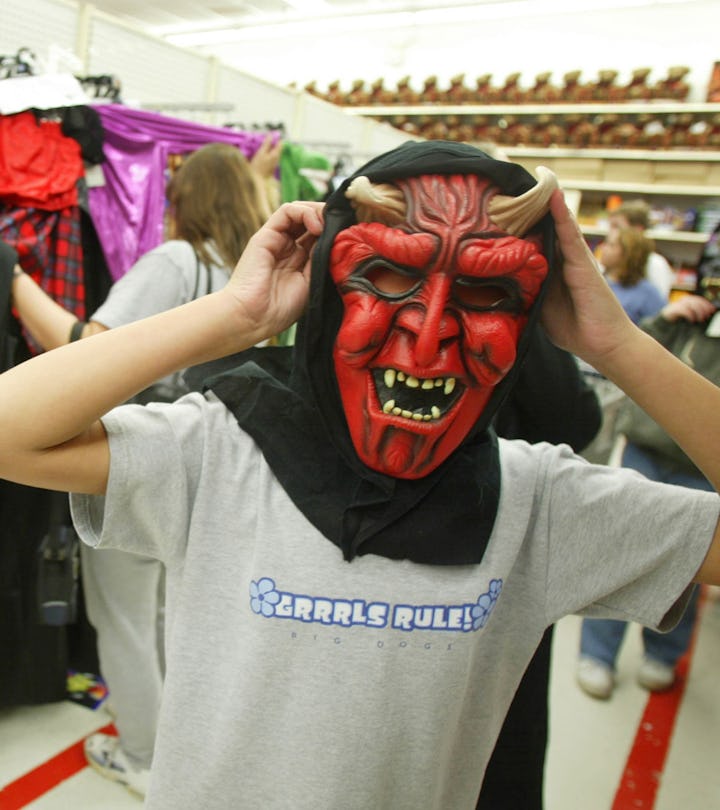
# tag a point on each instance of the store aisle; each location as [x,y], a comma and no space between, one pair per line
[637,751]
[592,742]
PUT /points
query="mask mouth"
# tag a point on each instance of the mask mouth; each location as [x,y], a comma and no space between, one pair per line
[417,399]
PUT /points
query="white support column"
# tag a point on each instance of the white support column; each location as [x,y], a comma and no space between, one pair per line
[83,34]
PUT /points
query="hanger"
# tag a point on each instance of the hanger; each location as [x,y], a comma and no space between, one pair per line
[105,86]
[20,64]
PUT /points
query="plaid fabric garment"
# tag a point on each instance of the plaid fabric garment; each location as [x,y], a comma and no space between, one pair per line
[49,246]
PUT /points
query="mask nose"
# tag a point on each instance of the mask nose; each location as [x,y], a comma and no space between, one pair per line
[436,325]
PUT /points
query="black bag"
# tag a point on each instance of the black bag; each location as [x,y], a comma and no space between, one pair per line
[10,337]
[58,567]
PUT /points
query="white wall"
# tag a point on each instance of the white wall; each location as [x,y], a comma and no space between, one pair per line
[656,36]
[685,32]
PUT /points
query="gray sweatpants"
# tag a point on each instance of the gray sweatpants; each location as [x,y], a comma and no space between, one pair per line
[123,599]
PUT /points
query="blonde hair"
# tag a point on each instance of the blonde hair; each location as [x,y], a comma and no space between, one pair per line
[214,198]
[635,251]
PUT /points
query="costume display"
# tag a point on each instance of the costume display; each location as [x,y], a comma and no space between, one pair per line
[358,570]
[129,208]
[44,228]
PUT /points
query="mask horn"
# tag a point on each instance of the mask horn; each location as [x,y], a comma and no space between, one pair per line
[516,215]
[377,202]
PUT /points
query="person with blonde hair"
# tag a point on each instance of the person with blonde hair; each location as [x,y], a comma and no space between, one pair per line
[624,255]
[217,199]
[635,214]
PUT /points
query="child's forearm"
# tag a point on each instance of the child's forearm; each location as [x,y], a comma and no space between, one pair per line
[57,397]
[46,320]
[50,435]
[679,399]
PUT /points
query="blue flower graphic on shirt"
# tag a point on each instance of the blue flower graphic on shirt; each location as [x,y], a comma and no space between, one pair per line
[495,588]
[481,611]
[263,596]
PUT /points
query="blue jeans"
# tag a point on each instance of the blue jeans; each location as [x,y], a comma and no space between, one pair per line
[601,638]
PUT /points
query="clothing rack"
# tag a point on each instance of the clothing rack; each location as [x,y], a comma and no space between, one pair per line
[189,106]
[106,87]
[268,126]
[338,146]
[20,64]
[338,150]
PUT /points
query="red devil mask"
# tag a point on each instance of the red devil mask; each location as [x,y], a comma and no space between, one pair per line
[436,283]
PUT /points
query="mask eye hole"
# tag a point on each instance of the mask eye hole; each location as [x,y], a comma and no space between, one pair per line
[482,295]
[389,280]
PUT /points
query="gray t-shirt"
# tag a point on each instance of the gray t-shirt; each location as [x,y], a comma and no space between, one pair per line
[164,278]
[296,680]
[168,276]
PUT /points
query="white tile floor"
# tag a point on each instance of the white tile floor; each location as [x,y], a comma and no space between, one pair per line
[589,746]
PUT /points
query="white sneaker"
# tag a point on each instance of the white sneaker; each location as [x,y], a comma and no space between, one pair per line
[595,678]
[104,754]
[655,676]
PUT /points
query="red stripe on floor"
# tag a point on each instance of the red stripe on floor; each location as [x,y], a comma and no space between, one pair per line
[45,777]
[644,767]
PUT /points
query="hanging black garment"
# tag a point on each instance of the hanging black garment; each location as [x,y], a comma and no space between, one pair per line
[35,656]
[83,124]
[12,347]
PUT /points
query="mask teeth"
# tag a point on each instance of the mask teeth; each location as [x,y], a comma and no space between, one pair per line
[391,377]
[396,390]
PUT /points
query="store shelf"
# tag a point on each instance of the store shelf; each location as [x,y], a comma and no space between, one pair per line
[630,108]
[671,180]
[693,175]
[674,126]
[680,237]
[679,182]
[656,189]
[655,155]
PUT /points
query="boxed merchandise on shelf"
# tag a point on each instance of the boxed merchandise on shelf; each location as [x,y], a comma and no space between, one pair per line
[708,217]
[682,188]
[632,171]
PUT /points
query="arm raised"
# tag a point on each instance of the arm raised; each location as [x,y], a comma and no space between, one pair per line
[50,435]
[582,315]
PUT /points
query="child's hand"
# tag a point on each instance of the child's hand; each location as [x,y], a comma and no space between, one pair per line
[693,308]
[581,313]
[270,282]
[265,160]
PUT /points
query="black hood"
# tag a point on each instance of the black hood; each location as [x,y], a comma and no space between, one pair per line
[316,331]
[288,400]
